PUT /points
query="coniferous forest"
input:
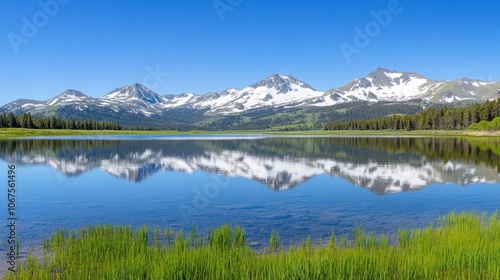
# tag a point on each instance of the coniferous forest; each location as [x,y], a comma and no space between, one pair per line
[27,121]
[431,119]
[445,118]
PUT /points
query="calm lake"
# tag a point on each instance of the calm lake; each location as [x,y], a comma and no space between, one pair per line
[300,186]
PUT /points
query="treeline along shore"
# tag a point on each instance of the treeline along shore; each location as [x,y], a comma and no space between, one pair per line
[476,117]
[431,119]
[27,121]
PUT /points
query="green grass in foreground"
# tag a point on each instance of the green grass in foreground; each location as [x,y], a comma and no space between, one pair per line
[461,246]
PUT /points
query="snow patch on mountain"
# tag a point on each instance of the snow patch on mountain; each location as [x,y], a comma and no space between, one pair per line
[69,97]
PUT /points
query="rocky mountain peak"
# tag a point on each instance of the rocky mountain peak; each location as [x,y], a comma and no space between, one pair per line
[282,83]
[134,91]
[73,93]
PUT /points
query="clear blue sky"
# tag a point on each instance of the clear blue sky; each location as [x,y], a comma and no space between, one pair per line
[97,46]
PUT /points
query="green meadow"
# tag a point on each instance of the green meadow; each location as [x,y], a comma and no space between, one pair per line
[459,246]
[29,132]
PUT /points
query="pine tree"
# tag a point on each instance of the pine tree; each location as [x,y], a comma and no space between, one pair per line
[12,122]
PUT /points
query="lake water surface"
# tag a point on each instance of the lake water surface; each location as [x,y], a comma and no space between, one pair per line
[300,186]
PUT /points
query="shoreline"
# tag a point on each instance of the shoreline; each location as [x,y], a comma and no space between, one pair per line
[8,133]
[483,133]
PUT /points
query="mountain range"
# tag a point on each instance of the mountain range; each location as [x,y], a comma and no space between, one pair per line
[389,91]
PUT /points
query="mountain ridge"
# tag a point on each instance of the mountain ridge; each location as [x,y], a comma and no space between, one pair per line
[277,92]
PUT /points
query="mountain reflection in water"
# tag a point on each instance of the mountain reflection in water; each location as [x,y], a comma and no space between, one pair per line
[382,165]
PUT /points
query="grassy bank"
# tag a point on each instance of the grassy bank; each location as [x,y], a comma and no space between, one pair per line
[361,133]
[25,132]
[461,246]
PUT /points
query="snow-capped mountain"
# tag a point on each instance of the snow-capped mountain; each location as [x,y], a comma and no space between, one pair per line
[387,85]
[134,98]
[277,92]
[20,106]
[71,97]
[133,93]
[465,89]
